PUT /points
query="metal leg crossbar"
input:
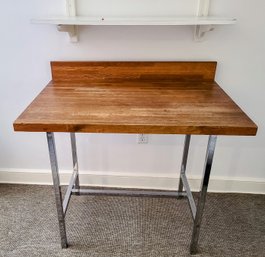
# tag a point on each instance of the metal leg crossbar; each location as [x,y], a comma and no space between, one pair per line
[74,187]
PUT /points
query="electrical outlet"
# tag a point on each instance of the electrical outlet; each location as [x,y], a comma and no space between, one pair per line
[142,139]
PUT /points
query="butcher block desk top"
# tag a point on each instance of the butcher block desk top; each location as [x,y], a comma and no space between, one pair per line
[135,97]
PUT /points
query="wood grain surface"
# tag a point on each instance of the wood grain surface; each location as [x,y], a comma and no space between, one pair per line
[86,72]
[81,98]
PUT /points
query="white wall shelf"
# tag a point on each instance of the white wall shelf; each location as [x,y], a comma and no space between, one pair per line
[202,22]
[185,20]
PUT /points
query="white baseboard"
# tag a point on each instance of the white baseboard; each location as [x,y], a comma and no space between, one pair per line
[130,180]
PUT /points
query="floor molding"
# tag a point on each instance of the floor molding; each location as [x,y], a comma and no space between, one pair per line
[130,180]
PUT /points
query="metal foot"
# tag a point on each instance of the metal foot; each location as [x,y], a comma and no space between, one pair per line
[203,192]
[184,162]
[57,188]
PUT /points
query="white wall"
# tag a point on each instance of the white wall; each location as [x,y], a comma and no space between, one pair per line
[27,49]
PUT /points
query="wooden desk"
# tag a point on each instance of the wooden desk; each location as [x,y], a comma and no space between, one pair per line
[134,97]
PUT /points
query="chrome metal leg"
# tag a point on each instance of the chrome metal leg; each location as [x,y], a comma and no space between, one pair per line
[57,188]
[203,192]
[75,162]
[184,161]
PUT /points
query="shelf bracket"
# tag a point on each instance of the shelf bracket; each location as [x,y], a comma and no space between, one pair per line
[72,30]
[203,11]
[201,30]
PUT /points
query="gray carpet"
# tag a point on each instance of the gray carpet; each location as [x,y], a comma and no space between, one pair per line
[108,226]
